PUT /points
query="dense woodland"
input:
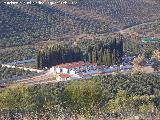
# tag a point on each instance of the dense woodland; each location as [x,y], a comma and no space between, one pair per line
[100,97]
[57,55]
[102,53]
[106,53]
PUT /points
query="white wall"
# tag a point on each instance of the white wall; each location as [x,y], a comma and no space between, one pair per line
[52,70]
[72,72]
[65,70]
[58,70]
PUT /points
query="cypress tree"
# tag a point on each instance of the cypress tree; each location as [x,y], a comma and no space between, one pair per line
[43,60]
[94,56]
[114,57]
[109,60]
[104,57]
[50,57]
[38,60]
[90,49]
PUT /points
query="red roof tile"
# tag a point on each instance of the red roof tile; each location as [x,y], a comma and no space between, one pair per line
[65,75]
[153,35]
[72,65]
[75,64]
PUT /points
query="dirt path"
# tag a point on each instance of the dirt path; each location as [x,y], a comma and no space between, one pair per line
[44,78]
[129,30]
[148,69]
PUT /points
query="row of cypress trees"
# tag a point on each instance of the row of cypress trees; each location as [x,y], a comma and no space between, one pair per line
[102,53]
[109,53]
[55,55]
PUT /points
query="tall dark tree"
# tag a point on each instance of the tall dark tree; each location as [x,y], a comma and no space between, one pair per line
[38,59]
[102,53]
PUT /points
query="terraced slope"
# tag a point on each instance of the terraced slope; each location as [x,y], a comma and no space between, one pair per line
[25,28]
[26,24]
[121,13]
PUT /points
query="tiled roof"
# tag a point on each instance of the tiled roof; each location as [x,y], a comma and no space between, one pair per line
[75,64]
[65,75]
[153,35]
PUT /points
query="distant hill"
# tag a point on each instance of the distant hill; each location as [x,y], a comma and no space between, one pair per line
[27,24]
[123,13]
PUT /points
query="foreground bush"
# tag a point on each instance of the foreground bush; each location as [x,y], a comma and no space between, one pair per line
[111,96]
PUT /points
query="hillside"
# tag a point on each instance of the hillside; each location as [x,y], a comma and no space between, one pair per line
[80,59]
[26,24]
[26,28]
[105,98]
[120,13]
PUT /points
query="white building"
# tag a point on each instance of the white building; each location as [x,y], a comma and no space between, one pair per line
[58,70]
[76,70]
[64,70]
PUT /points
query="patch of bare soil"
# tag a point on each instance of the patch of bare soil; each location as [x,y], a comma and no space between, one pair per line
[148,69]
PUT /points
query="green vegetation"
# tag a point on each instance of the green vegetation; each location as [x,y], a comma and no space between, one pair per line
[27,52]
[13,73]
[17,53]
[23,25]
[135,48]
[156,60]
[97,97]
[28,24]
[15,97]
[129,47]
[58,54]
[95,27]
[118,13]
[150,39]
[109,53]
